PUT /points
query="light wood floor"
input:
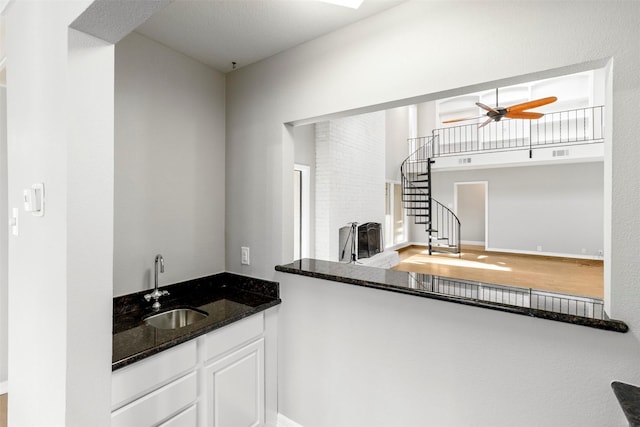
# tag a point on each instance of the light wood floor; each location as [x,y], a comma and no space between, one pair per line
[3,410]
[564,275]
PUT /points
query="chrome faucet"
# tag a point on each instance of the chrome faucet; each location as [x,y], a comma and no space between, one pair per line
[156,294]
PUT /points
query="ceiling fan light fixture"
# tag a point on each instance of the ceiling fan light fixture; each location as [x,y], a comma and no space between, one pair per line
[353,4]
[513,112]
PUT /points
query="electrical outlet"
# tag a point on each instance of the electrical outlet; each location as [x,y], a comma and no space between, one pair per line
[244,258]
[600,253]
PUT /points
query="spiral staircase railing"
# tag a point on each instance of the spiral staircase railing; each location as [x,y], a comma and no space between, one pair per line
[441,224]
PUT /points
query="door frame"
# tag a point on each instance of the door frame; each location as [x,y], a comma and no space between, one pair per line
[486,205]
[305,206]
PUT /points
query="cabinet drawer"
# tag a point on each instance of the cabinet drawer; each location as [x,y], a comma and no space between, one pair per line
[142,377]
[186,418]
[159,405]
[234,335]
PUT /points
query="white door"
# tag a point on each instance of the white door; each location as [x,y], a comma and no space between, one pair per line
[235,388]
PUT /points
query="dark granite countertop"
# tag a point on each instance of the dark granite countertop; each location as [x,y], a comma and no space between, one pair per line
[629,398]
[456,291]
[226,297]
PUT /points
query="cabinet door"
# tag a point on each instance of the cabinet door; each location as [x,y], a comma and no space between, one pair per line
[235,388]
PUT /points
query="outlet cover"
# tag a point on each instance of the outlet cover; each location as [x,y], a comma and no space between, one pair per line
[244,258]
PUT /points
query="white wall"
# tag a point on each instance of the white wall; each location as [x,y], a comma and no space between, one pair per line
[352,356]
[59,278]
[169,166]
[89,231]
[558,207]
[3,215]
[4,261]
[426,118]
[350,165]
[305,150]
[396,146]
[399,55]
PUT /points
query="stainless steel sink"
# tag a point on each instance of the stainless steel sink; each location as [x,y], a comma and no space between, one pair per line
[174,319]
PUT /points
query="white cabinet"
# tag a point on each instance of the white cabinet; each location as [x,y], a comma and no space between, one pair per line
[233,393]
[215,380]
[235,388]
[156,389]
[159,405]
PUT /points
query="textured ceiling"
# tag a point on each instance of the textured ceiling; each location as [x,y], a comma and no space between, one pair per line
[111,20]
[218,32]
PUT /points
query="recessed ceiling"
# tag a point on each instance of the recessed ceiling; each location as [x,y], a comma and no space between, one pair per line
[218,32]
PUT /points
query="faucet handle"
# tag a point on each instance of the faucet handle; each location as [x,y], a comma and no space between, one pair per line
[147,297]
[164,292]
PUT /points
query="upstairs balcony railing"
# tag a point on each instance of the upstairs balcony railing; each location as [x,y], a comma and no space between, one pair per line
[579,126]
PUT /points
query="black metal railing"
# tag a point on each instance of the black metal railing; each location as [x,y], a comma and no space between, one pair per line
[572,305]
[441,224]
[446,234]
[579,126]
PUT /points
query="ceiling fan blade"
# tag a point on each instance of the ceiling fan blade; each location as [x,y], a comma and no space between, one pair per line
[532,104]
[486,122]
[523,115]
[461,120]
[486,107]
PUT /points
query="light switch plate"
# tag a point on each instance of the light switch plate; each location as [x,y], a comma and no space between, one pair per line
[33,199]
[13,221]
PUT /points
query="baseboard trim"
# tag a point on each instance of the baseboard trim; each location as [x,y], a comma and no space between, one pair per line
[406,245]
[286,422]
[397,246]
[472,242]
[551,254]
[4,387]
[522,252]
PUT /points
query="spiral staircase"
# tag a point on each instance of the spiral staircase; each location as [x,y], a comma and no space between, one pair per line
[441,224]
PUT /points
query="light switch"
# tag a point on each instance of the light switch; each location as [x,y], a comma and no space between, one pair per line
[13,221]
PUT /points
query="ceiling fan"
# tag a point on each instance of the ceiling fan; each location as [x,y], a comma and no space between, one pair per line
[513,112]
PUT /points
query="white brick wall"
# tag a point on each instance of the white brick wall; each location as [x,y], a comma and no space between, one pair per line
[350,177]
